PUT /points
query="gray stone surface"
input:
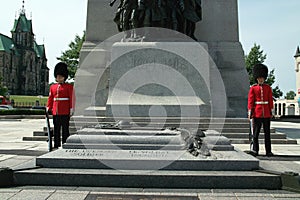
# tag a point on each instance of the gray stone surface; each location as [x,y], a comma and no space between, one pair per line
[16,129]
[146,160]
[169,79]
[32,195]
[113,193]
[5,196]
[149,179]
[68,195]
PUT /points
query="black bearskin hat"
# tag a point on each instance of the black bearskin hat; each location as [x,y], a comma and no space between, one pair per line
[61,69]
[260,70]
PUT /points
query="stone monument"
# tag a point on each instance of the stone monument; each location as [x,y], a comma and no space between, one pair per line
[167,80]
[217,32]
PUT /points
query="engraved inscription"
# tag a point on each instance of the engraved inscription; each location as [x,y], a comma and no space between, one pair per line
[85,152]
[148,154]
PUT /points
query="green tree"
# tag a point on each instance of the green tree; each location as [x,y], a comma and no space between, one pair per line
[290,95]
[71,56]
[256,56]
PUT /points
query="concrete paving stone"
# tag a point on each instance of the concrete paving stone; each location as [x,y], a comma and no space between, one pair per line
[62,191]
[16,145]
[6,196]
[109,190]
[30,164]
[253,194]
[212,197]
[5,157]
[233,191]
[46,188]
[9,190]
[25,158]
[164,194]
[138,196]
[218,198]
[288,195]
[225,194]
[15,161]
[255,198]
[22,152]
[32,195]
[168,190]
[68,195]
[280,166]
[286,199]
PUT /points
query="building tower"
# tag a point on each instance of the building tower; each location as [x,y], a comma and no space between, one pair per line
[297,98]
[297,60]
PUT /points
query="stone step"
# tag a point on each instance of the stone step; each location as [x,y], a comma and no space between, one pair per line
[233,140]
[148,179]
[169,124]
[275,135]
[159,119]
[246,135]
[35,138]
[73,129]
[120,159]
[39,133]
[261,141]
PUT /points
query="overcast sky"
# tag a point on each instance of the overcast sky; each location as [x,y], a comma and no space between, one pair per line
[273,24]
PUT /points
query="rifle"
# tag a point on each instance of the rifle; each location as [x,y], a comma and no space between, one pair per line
[48,131]
[251,134]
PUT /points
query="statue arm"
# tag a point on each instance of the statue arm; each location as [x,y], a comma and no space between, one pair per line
[112,2]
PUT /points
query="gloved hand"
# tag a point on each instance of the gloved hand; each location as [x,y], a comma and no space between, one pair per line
[49,111]
[71,112]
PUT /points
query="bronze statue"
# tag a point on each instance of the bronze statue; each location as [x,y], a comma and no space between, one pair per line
[192,14]
[174,14]
[117,18]
[178,15]
[126,16]
[152,13]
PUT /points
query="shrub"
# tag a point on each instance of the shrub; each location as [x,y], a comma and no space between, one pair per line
[22,112]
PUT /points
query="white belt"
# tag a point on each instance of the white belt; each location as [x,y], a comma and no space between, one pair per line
[261,102]
[61,99]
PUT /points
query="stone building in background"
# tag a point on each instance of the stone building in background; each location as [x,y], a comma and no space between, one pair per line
[23,63]
[285,107]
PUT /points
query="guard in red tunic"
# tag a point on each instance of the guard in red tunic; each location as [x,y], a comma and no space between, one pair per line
[260,105]
[61,104]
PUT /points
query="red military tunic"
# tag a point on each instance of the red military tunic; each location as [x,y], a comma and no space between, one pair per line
[260,101]
[61,99]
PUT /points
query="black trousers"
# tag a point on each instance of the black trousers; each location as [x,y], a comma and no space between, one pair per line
[257,123]
[60,122]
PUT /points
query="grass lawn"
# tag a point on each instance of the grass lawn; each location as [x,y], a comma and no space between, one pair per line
[29,99]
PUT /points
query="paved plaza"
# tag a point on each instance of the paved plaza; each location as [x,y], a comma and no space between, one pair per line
[14,153]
